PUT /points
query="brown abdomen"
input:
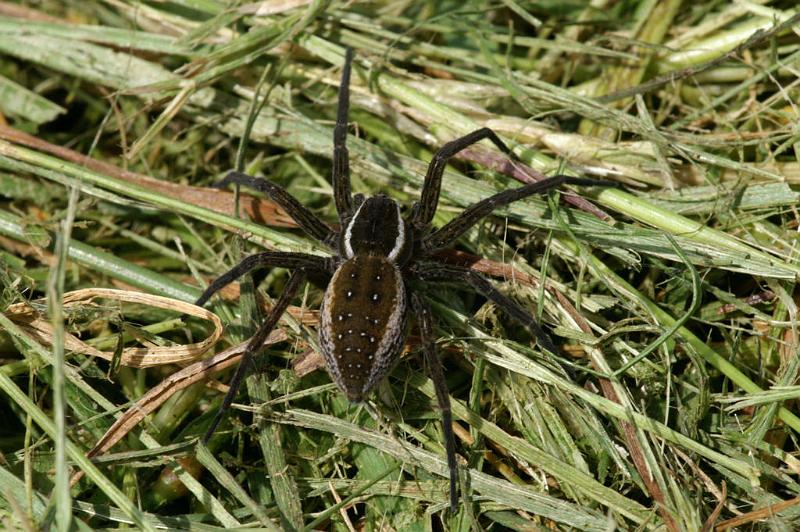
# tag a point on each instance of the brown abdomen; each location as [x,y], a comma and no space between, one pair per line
[362,323]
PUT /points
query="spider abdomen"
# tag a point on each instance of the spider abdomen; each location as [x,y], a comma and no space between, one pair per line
[363,323]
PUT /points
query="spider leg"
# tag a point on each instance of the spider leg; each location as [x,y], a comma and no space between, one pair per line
[341,160]
[306,219]
[429,197]
[295,281]
[434,363]
[430,271]
[267,259]
[446,235]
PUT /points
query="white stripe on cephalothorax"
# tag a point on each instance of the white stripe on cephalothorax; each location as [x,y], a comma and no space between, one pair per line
[401,236]
[348,234]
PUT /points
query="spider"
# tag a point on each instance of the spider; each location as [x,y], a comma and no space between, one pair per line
[375,255]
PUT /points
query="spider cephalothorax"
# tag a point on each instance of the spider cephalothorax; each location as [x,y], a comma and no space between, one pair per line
[375,255]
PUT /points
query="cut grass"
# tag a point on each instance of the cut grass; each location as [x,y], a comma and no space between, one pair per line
[672,404]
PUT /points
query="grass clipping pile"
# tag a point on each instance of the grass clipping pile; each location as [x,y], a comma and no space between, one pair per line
[671,403]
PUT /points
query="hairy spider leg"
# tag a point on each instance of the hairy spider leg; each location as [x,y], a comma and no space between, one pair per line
[429,197]
[436,271]
[307,220]
[425,320]
[295,281]
[266,259]
[340,175]
[450,232]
